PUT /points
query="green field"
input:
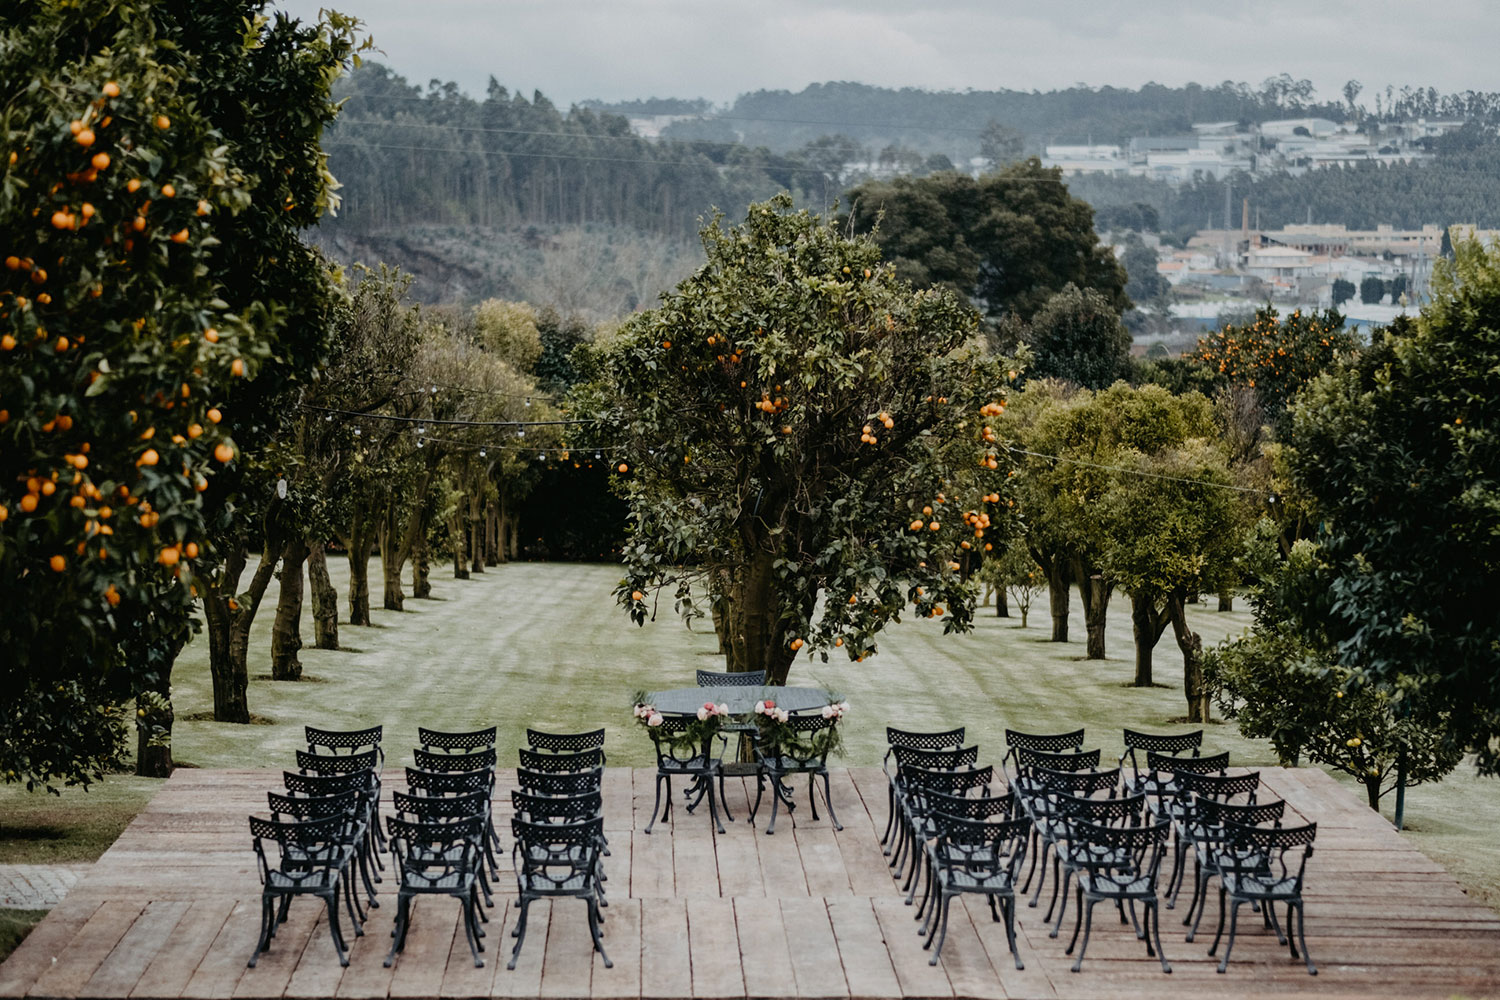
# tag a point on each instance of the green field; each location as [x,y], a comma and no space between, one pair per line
[545,645]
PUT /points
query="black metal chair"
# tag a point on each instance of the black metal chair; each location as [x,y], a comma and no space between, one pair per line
[421,808]
[1015,741]
[347,805]
[1271,878]
[564,784]
[1207,831]
[318,786]
[476,762]
[557,860]
[1175,745]
[437,740]
[985,808]
[562,810]
[436,783]
[734,678]
[922,788]
[978,857]
[561,763]
[1073,853]
[777,763]
[947,739]
[1131,879]
[1194,788]
[1037,791]
[352,740]
[697,763]
[566,743]
[311,860]
[365,762]
[438,858]
[958,758]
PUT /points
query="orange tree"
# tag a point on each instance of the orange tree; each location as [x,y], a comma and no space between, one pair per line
[1275,355]
[125,326]
[792,422]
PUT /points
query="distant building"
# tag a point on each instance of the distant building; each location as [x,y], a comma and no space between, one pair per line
[1086,159]
[1287,128]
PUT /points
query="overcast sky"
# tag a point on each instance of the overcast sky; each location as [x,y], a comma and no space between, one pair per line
[622,49]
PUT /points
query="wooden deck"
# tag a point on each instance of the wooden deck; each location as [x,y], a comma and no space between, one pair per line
[171,910]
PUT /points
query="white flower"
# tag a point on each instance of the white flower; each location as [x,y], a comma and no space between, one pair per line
[703,713]
[828,711]
[723,709]
[843,707]
[760,708]
[655,719]
[780,714]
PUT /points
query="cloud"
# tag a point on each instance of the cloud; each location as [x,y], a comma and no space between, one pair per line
[688,48]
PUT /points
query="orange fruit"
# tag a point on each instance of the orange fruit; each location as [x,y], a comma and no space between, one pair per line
[169,556]
[111,89]
[58,563]
[214,416]
[134,185]
[112,596]
[223,451]
[148,457]
[211,335]
[78,501]
[28,503]
[162,121]
[168,191]
[916,525]
[636,595]
[796,644]
[85,138]
[839,641]
[202,208]
[4,513]
[237,367]
[934,526]
[62,219]
[7,342]
[181,236]
[191,550]
[48,488]
[623,467]
[100,161]
[195,430]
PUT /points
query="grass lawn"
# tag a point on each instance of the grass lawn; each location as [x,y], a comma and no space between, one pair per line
[545,645]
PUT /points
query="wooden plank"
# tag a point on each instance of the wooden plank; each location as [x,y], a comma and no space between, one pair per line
[273,971]
[367,977]
[909,960]
[223,965]
[622,939]
[46,943]
[170,969]
[822,862]
[118,973]
[318,973]
[420,965]
[764,955]
[566,966]
[88,949]
[650,871]
[525,980]
[460,977]
[619,799]
[695,870]
[666,964]
[859,843]
[780,861]
[862,949]
[713,946]
[735,852]
[967,961]
[815,954]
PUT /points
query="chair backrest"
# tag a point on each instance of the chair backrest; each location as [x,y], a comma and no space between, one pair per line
[536,739]
[1162,763]
[449,849]
[449,782]
[468,742]
[334,740]
[438,808]
[1028,759]
[1283,850]
[935,760]
[318,785]
[290,807]
[946,739]
[1046,742]
[561,763]
[733,678]
[326,764]
[1214,813]
[1173,743]
[1124,810]
[672,749]
[552,855]
[1084,784]
[556,809]
[479,760]
[1222,787]
[563,783]
[1139,849]
[981,849]
[316,841]
[966,807]
[811,754]
[922,780]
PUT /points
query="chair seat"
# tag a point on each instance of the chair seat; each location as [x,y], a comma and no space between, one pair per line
[541,885]
[692,765]
[317,880]
[959,878]
[1218,859]
[453,854]
[298,857]
[1120,886]
[1248,886]
[451,881]
[782,764]
[1095,856]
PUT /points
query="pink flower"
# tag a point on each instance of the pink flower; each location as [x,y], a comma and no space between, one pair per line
[828,711]
[704,712]
[655,719]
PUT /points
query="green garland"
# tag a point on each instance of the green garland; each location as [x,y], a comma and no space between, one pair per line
[776,737]
[691,740]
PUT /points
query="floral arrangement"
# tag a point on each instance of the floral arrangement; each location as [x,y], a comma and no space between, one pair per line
[777,737]
[691,740]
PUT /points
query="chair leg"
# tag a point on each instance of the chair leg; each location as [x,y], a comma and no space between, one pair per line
[398,933]
[1268,915]
[833,817]
[331,901]
[942,931]
[1008,904]
[775,805]
[1234,919]
[267,920]
[520,932]
[1041,877]
[471,930]
[657,805]
[723,802]
[1077,920]
[1200,894]
[713,808]
[1312,970]
[890,818]
[595,918]
[1035,851]
[1060,896]
[1056,878]
[1153,917]
[1088,928]
[760,787]
[1220,932]
[919,869]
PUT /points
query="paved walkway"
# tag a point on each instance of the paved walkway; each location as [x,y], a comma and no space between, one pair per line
[37,887]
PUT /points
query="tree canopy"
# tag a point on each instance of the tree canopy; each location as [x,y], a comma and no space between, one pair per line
[795,420]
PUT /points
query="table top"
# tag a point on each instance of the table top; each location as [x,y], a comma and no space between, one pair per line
[741,700]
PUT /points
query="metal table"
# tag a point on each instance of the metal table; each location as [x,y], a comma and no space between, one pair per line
[741,700]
